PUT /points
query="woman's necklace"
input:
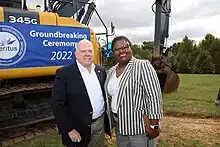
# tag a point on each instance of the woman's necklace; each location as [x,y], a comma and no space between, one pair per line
[119,71]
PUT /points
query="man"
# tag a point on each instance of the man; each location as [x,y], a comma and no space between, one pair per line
[217,101]
[78,100]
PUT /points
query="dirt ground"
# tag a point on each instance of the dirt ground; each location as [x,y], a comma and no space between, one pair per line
[206,131]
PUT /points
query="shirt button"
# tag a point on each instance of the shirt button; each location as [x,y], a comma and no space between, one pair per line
[90,112]
[89,125]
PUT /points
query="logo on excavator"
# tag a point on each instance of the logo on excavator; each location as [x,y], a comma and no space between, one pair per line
[12,46]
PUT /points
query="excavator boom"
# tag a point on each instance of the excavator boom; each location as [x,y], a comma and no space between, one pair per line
[169,80]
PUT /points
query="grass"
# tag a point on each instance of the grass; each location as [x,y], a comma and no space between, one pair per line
[195,97]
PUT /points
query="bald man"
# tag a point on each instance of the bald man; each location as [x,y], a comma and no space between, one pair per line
[78,100]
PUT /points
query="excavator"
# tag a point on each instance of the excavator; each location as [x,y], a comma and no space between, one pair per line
[34,44]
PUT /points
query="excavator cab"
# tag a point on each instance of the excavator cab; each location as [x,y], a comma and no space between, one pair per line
[19,4]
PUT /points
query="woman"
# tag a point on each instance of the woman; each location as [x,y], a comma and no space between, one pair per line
[134,97]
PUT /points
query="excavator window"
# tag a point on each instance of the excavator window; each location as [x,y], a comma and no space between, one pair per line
[13,4]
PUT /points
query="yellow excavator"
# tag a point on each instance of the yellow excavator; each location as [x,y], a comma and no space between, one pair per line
[33,45]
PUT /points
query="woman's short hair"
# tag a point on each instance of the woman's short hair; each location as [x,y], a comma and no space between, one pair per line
[118,38]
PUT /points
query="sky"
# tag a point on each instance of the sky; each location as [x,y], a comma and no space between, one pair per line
[136,20]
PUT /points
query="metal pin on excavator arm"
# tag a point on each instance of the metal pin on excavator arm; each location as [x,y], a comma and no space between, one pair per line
[169,80]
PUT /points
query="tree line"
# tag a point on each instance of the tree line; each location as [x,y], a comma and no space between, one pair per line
[186,56]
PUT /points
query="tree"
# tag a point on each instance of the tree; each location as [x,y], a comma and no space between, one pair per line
[204,63]
[184,65]
[148,46]
[207,42]
[215,53]
[212,45]
[185,53]
[185,56]
[141,53]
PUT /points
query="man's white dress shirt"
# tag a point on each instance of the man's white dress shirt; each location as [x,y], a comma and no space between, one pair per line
[94,90]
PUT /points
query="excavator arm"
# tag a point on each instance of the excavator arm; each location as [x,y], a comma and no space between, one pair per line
[81,10]
[162,16]
[169,80]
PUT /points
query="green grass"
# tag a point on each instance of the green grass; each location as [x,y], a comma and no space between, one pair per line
[195,96]
[53,140]
[50,140]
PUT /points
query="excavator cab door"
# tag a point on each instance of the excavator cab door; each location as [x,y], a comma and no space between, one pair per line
[67,8]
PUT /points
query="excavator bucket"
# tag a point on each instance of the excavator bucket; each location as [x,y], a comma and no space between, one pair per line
[169,80]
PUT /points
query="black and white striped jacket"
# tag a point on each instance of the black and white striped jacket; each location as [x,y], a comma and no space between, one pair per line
[139,94]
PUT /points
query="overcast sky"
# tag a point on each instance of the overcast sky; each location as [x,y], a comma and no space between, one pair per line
[135,19]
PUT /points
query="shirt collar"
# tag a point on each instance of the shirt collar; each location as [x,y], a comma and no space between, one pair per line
[83,69]
[129,63]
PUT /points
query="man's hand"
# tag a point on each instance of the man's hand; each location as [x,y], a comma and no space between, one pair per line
[75,136]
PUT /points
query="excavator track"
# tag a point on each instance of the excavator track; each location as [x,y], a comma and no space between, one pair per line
[22,105]
[32,132]
[21,88]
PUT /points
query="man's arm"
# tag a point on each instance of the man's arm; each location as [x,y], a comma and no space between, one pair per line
[59,104]
[153,91]
[105,73]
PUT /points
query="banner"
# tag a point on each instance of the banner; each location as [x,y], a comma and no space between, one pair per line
[24,46]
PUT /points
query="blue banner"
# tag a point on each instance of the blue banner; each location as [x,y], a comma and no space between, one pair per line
[23,46]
